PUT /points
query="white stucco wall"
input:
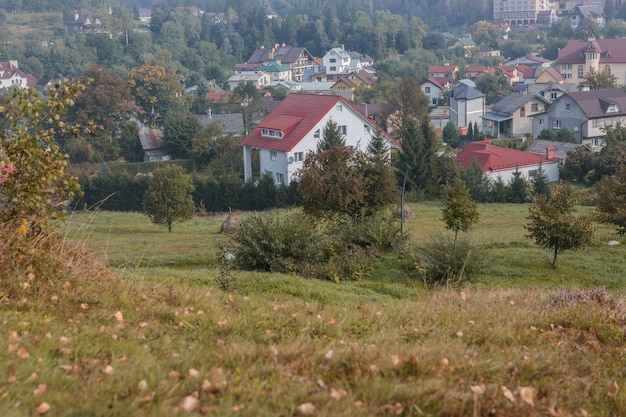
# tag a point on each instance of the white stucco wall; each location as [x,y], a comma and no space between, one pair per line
[550,169]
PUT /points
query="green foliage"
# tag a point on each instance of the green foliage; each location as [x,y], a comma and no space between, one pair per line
[449,262]
[179,129]
[578,165]
[331,137]
[498,192]
[540,183]
[450,135]
[547,134]
[553,223]
[379,231]
[36,191]
[276,243]
[169,196]
[611,201]
[517,191]
[156,90]
[477,182]
[419,157]
[564,135]
[459,212]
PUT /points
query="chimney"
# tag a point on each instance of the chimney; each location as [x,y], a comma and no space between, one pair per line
[549,152]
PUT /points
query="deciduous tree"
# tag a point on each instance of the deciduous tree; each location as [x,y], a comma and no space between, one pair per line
[155,90]
[40,183]
[553,223]
[598,80]
[459,211]
[168,198]
[611,201]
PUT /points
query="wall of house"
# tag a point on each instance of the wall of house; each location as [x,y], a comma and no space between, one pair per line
[432,93]
[475,110]
[551,170]
[560,117]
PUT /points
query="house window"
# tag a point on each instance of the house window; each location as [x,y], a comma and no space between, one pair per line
[568,106]
[298,156]
[343,129]
[273,155]
[339,107]
[366,128]
[613,108]
[434,101]
[316,134]
[534,107]
[594,124]
[427,90]
[522,111]
[595,142]
[333,60]
[280,178]
[541,121]
[607,69]
[581,71]
[556,124]
[333,69]
[272,133]
[553,95]
[341,88]
[532,173]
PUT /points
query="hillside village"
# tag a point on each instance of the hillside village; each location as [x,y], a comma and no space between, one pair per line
[486,83]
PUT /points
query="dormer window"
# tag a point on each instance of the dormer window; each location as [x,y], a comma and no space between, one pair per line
[272,133]
[613,108]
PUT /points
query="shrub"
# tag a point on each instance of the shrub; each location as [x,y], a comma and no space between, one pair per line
[278,244]
[448,262]
[379,231]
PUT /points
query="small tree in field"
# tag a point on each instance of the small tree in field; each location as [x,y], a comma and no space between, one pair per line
[611,201]
[168,198]
[553,222]
[459,211]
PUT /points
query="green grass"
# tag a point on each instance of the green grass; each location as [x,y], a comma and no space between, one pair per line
[159,329]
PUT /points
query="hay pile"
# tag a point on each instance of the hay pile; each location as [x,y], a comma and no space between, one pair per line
[408,213]
[231,224]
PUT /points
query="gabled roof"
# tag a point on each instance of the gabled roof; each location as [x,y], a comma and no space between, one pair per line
[595,103]
[561,149]
[284,53]
[509,104]
[442,69]
[273,66]
[465,92]
[151,138]
[611,51]
[295,116]
[554,73]
[495,158]
[439,82]
[228,122]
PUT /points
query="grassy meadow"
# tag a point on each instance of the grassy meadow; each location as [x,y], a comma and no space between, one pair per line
[136,324]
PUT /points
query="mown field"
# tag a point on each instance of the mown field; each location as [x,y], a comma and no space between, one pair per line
[143,328]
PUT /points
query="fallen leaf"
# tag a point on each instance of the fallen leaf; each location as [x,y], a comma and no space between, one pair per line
[478,389]
[337,394]
[463,296]
[13,336]
[119,316]
[193,373]
[329,355]
[12,347]
[43,408]
[22,353]
[147,398]
[64,339]
[395,360]
[108,370]
[613,389]
[174,375]
[528,395]
[237,408]
[41,389]
[507,393]
[332,321]
[143,385]
[459,333]
[306,408]
[11,374]
[190,403]
[321,383]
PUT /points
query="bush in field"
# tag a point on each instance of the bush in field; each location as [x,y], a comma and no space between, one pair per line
[448,261]
[278,244]
[379,231]
[169,196]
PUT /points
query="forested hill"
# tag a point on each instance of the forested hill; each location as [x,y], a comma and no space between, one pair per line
[436,13]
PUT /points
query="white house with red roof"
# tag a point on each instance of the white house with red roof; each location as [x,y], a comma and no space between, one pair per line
[503,162]
[435,87]
[446,70]
[294,128]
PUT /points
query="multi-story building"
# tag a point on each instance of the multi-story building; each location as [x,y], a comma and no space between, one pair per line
[579,57]
[518,12]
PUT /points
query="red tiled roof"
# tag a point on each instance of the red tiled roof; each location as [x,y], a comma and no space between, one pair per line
[443,68]
[295,116]
[441,81]
[494,158]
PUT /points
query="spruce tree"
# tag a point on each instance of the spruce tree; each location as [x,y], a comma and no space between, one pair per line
[516,192]
[331,137]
